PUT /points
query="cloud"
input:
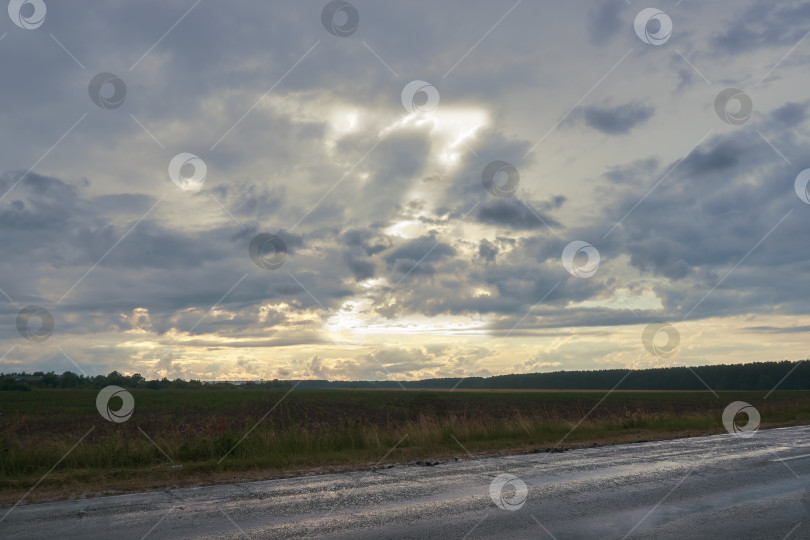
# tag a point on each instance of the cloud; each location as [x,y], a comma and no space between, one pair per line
[656,255]
[425,248]
[724,155]
[789,115]
[618,120]
[763,25]
[487,250]
[361,269]
[515,214]
[390,233]
[605,21]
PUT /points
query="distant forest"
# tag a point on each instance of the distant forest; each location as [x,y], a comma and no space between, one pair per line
[755,376]
[68,379]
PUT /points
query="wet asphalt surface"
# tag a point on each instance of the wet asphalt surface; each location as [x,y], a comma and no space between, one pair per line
[705,487]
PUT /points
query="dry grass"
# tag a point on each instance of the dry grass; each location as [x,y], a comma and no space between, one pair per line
[324,430]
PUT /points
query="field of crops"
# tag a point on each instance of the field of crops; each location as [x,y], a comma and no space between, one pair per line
[185,436]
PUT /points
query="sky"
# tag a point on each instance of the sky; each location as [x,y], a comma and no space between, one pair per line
[259,190]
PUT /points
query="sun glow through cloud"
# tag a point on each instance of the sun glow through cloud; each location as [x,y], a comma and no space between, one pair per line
[371,163]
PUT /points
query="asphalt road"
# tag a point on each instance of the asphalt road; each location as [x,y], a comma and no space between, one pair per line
[706,487]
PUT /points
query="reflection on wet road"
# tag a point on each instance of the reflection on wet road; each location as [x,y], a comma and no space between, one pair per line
[706,487]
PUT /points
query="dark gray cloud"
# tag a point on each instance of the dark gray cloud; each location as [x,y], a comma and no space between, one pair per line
[723,155]
[605,21]
[656,255]
[617,120]
[763,24]
[376,206]
[366,241]
[515,214]
[789,115]
[778,330]
[426,248]
[710,214]
[487,250]
[362,269]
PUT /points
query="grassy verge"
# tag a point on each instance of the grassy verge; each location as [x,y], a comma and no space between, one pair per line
[212,436]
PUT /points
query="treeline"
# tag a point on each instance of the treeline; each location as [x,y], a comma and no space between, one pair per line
[27,381]
[753,376]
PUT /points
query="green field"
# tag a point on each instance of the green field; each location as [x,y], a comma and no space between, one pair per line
[324,430]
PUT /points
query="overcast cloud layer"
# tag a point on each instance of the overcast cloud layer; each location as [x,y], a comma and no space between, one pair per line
[407,255]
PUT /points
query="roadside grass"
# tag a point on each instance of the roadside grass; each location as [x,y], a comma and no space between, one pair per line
[203,431]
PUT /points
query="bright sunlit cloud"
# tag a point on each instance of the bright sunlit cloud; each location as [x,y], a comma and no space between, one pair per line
[414,206]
